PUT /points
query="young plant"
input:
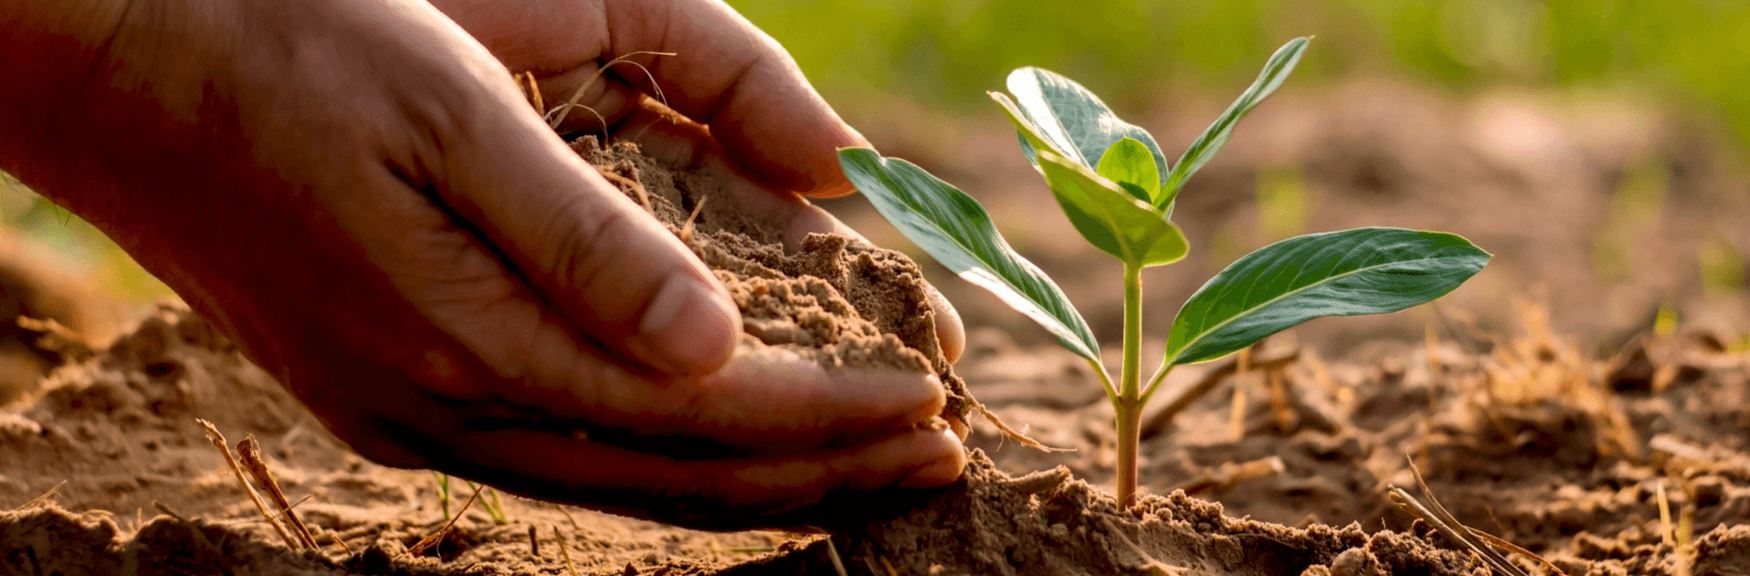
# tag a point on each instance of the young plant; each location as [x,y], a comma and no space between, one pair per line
[1118,189]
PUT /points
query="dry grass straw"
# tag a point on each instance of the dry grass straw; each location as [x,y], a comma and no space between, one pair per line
[46,496]
[1679,535]
[633,185]
[686,233]
[1231,474]
[1540,367]
[832,553]
[1236,413]
[557,116]
[218,441]
[1476,541]
[1179,400]
[250,452]
[564,550]
[438,536]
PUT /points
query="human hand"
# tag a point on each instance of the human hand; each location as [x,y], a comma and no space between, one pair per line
[358,194]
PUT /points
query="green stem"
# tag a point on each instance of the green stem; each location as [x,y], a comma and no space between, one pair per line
[1132,374]
[1128,404]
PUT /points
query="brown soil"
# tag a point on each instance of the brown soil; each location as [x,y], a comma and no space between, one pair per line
[1526,437]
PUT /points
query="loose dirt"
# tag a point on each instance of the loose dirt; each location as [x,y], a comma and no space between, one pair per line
[1282,470]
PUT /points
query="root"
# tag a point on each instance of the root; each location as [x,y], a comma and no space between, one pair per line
[1013,434]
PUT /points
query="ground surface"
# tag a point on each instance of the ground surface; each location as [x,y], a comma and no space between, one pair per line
[1559,444]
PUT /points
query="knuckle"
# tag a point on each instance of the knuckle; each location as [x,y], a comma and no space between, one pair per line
[580,250]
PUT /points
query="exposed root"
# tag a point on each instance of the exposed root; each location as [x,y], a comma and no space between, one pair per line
[1013,434]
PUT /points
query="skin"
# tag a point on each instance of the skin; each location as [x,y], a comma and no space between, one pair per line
[357,192]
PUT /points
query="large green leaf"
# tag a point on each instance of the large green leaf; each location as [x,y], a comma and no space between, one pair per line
[956,230]
[1129,163]
[1213,138]
[1347,273]
[1072,120]
[1111,219]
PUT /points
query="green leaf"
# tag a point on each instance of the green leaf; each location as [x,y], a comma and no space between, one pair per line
[956,230]
[1347,273]
[1129,163]
[1213,138]
[1110,218]
[1072,121]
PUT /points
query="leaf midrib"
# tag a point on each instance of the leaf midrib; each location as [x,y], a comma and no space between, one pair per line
[1267,303]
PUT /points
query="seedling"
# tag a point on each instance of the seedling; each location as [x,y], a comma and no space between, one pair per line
[1118,191]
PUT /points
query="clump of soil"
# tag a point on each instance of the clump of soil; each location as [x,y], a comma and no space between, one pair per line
[836,300]
[1524,437]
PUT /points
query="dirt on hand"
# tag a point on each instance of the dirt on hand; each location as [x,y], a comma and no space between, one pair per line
[1523,437]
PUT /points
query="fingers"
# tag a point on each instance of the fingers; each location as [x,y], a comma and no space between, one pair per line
[730,76]
[716,494]
[591,253]
[679,142]
[950,329]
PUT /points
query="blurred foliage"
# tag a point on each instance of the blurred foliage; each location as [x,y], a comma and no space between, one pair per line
[948,52]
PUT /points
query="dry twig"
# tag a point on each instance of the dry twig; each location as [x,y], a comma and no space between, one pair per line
[250,452]
[218,441]
[1182,399]
[687,229]
[1442,520]
[643,196]
[564,550]
[47,495]
[438,536]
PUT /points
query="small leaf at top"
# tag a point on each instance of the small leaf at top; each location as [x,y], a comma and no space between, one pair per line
[1129,163]
[1347,273]
[956,230]
[1092,226]
[1072,120]
[1111,219]
[1215,136]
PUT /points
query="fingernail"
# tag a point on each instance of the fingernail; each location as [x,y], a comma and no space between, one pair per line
[689,326]
[941,471]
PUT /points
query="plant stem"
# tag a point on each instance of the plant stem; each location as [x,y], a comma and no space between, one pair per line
[1128,404]
[1132,374]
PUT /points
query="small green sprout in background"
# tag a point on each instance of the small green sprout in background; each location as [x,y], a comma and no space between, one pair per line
[494,507]
[1118,190]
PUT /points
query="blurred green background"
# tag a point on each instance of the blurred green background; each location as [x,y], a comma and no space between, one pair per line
[914,73]
[946,53]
